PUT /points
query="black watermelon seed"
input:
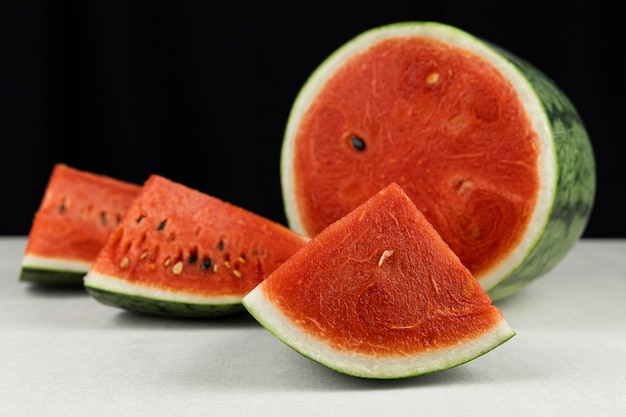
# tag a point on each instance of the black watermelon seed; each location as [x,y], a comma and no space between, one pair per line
[161,226]
[207,263]
[192,258]
[357,143]
[220,245]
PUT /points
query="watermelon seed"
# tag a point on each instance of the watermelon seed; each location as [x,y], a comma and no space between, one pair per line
[167,261]
[193,258]
[161,225]
[242,259]
[139,219]
[125,262]
[144,255]
[386,254]
[357,143]
[206,263]
[237,273]
[62,207]
[220,245]
[177,269]
[432,78]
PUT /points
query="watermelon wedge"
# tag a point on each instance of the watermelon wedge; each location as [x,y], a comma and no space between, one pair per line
[78,212]
[489,149]
[379,294]
[182,253]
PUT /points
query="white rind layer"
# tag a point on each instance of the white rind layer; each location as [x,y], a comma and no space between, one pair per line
[351,363]
[38,262]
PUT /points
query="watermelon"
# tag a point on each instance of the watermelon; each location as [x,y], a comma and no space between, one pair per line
[379,294]
[491,151]
[182,253]
[78,212]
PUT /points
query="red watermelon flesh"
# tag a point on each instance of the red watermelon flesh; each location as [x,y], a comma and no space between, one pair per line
[78,212]
[439,120]
[178,244]
[379,285]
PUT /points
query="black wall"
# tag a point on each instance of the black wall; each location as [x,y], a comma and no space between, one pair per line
[200,91]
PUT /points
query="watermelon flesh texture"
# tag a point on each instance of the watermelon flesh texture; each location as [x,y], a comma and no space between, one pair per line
[379,294]
[78,212]
[492,153]
[447,145]
[181,252]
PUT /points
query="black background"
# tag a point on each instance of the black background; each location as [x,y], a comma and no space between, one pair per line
[200,91]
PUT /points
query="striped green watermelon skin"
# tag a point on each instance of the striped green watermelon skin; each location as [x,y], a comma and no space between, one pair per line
[576,182]
[166,308]
[51,277]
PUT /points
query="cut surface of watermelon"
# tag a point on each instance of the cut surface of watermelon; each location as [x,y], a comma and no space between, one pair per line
[488,148]
[181,252]
[77,213]
[379,294]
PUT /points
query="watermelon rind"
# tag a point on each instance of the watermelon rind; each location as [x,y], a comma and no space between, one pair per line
[370,367]
[566,165]
[51,277]
[574,193]
[114,292]
[166,308]
[46,271]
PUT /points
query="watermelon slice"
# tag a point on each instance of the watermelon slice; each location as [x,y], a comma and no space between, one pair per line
[488,148]
[182,253]
[78,212]
[379,294]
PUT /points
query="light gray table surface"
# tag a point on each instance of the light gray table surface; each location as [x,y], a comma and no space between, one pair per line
[64,354]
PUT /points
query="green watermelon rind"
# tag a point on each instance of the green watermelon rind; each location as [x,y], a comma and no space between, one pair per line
[53,271]
[146,299]
[52,277]
[159,307]
[363,366]
[576,183]
[565,205]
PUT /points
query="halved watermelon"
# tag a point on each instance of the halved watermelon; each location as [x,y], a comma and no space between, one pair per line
[379,294]
[180,252]
[488,148]
[78,212]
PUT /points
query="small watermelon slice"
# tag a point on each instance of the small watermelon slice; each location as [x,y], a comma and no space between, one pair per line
[379,294]
[78,212]
[182,253]
[488,148]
